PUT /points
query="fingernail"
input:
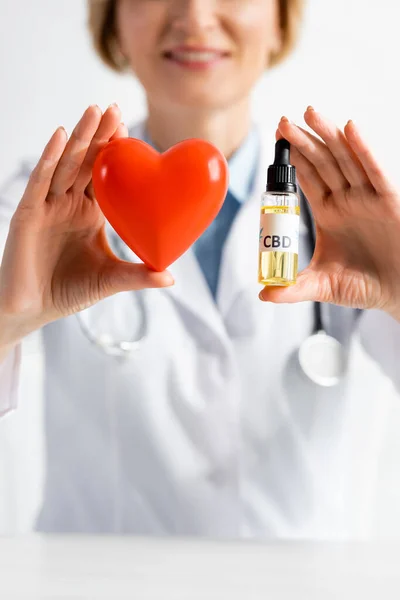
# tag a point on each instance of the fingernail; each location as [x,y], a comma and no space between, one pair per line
[350,122]
[114,104]
[310,108]
[285,119]
[169,280]
[261,296]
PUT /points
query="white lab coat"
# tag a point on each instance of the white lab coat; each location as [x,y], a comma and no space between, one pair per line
[210,428]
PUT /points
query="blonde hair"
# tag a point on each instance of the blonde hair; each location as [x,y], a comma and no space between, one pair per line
[103,30]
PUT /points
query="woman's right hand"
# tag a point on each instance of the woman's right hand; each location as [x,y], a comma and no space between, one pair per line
[57,260]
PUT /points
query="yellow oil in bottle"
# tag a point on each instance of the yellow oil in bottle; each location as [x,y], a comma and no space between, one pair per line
[278,267]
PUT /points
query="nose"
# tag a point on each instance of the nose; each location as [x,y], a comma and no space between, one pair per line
[194,16]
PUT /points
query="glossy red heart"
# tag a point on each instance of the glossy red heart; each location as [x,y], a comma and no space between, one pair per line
[160,204]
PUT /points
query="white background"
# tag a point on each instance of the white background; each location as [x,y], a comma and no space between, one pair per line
[346,66]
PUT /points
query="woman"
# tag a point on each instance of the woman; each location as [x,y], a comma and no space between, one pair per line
[209,428]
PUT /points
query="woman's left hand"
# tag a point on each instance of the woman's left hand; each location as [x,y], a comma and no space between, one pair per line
[356,209]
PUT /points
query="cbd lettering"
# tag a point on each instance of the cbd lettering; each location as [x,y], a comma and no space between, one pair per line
[277,241]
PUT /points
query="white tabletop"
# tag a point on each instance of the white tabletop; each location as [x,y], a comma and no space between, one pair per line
[121,568]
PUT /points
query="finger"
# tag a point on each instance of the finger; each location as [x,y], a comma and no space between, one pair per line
[107,128]
[41,177]
[122,132]
[312,184]
[335,140]
[75,151]
[316,152]
[374,171]
[311,286]
[124,276]
[308,177]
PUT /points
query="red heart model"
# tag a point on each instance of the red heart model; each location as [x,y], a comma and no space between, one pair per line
[160,204]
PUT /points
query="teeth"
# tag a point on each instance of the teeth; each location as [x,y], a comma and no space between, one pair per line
[195,56]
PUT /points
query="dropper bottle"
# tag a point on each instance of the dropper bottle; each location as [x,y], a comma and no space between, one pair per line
[280,222]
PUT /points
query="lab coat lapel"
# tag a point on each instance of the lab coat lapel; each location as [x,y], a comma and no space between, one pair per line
[239,264]
[192,293]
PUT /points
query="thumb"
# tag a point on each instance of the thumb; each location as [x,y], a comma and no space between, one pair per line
[310,285]
[124,277]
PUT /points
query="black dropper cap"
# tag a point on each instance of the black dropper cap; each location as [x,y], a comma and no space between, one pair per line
[282,175]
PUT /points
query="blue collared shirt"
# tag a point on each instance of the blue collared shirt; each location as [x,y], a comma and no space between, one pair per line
[242,171]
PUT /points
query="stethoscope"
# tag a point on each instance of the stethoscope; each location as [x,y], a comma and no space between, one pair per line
[321,356]
[104,341]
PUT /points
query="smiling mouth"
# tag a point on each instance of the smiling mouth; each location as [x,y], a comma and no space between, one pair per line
[197,58]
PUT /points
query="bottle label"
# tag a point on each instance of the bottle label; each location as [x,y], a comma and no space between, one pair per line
[279,233]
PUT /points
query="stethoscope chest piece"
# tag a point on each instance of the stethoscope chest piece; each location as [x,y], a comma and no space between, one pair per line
[322,359]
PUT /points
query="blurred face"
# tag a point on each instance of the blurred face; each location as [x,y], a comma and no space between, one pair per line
[204,54]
